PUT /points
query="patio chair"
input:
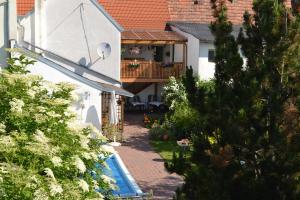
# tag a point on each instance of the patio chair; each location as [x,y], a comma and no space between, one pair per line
[154,103]
[137,103]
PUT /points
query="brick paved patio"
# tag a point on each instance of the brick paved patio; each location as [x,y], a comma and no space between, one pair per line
[145,165]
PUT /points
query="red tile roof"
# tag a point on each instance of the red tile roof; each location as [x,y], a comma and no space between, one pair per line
[138,14]
[131,14]
[153,14]
[24,6]
[187,11]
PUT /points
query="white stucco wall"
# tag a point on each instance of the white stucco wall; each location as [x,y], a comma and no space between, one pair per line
[197,56]
[193,49]
[73,29]
[178,53]
[3,32]
[88,107]
[150,90]
[206,69]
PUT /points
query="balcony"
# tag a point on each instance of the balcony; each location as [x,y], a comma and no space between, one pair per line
[141,71]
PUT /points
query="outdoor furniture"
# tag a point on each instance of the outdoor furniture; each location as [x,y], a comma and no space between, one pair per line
[137,104]
[153,102]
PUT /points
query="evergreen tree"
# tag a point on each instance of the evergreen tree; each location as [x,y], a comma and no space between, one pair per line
[246,146]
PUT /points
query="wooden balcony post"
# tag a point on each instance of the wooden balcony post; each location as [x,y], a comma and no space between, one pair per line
[150,69]
[184,54]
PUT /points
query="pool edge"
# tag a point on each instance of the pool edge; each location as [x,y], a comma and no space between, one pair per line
[128,176]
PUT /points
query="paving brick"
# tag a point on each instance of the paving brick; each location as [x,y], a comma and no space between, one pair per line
[145,165]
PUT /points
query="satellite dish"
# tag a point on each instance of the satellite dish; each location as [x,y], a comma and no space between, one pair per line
[104,50]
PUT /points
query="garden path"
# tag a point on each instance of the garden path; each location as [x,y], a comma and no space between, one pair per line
[145,165]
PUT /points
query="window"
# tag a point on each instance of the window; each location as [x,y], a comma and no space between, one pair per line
[211,55]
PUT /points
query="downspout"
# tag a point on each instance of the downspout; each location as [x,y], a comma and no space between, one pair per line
[12,23]
[39,22]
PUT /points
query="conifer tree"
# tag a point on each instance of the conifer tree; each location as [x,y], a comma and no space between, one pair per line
[246,147]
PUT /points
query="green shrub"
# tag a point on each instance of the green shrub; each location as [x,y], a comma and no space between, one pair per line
[183,121]
[158,132]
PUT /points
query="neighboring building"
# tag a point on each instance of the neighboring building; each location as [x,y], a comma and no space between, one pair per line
[75,41]
[192,19]
[200,46]
[150,53]
[162,37]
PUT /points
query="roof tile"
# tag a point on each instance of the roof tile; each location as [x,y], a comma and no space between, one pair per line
[24,6]
[154,14]
[138,14]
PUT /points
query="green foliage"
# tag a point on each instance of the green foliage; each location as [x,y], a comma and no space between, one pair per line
[150,120]
[183,121]
[245,145]
[178,163]
[166,148]
[181,95]
[158,132]
[44,153]
[19,64]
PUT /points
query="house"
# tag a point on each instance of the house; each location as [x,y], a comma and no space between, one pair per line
[192,19]
[162,37]
[75,41]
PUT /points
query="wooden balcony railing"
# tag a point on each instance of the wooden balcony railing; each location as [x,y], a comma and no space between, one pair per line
[149,71]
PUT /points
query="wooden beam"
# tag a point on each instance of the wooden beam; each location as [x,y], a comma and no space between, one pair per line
[153,42]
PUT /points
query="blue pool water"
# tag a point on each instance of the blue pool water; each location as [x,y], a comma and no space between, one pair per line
[125,183]
[124,186]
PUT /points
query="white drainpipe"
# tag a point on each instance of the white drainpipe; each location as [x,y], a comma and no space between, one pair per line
[39,22]
[12,20]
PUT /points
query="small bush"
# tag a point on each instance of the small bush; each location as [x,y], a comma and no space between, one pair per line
[183,121]
[150,121]
[158,132]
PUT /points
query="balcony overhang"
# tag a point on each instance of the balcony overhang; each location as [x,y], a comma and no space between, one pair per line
[152,37]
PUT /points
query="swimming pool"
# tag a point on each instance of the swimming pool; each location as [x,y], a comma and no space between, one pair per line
[127,186]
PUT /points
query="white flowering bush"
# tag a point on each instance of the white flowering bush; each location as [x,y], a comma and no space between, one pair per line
[174,93]
[43,154]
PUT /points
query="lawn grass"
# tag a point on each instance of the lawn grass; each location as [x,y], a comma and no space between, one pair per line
[165,148]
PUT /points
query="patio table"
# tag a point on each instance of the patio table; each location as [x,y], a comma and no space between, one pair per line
[140,105]
[156,103]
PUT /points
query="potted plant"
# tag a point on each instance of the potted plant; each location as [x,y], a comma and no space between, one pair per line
[134,64]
